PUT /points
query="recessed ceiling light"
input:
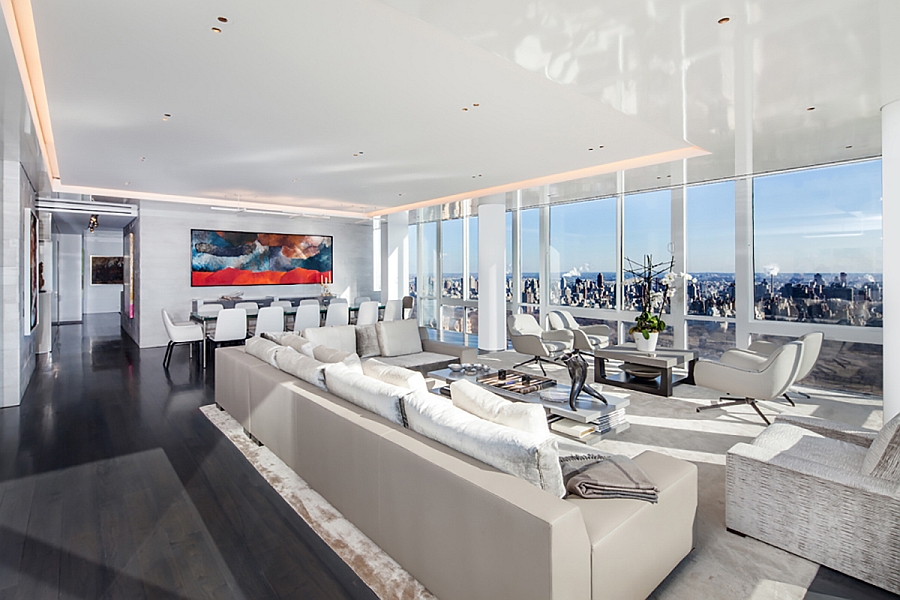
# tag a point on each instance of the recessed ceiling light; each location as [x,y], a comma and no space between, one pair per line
[361,152]
[590,149]
[216,30]
[399,194]
[848,146]
[296,179]
[222,20]
[811,108]
[127,183]
[724,20]
[465,108]
[601,146]
[476,104]
[143,158]
[355,154]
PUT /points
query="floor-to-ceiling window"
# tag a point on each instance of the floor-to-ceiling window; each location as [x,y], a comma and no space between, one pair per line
[413,259]
[817,245]
[648,235]
[429,270]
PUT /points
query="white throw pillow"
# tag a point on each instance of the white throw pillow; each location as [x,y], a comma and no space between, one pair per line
[302,367]
[339,337]
[534,458]
[292,340]
[397,338]
[483,403]
[307,349]
[263,349]
[883,457]
[330,355]
[366,392]
[399,376]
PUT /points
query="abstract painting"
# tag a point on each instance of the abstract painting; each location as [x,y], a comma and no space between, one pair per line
[107,270]
[33,260]
[242,258]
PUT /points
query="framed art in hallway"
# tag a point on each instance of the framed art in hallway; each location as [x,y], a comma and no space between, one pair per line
[107,270]
[245,258]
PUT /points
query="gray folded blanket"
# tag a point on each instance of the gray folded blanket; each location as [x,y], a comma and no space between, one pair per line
[607,476]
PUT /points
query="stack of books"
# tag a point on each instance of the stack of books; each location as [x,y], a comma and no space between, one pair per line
[613,421]
[590,423]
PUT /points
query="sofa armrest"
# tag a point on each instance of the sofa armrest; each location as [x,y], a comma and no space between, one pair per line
[596,330]
[858,436]
[464,353]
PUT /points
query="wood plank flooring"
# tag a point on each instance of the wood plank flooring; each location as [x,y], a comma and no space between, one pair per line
[114,485]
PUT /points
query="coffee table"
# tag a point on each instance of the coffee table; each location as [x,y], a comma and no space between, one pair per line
[650,372]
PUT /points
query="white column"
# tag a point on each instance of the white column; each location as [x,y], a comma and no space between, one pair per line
[743,188]
[890,221]
[395,256]
[492,273]
[676,318]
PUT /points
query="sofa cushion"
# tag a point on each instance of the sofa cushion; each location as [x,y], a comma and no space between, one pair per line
[339,337]
[263,349]
[366,392]
[399,376]
[483,403]
[292,340]
[532,457]
[302,367]
[330,355]
[398,338]
[883,457]
[367,341]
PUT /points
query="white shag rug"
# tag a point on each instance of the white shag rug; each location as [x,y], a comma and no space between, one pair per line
[722,564]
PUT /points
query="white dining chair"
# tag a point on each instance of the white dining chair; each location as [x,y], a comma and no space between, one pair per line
[368,313]
[179,334]
[231,326]
[309,301]
[209,309]
[360,299]
[393,310]
[252,308]
[282,303]
[270,320]
[307,316]
[338,313]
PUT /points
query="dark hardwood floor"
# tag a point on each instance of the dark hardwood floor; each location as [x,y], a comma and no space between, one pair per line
[114,485]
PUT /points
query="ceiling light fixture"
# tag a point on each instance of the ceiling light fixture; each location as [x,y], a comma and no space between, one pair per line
[848,147]
[465,108]
[811,108]
[216,30]
[476,104]
[724,20]
[226,208]
[93,223]
[255,211]
[222,20]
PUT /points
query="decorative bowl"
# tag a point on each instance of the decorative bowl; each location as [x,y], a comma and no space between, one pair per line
[455,367]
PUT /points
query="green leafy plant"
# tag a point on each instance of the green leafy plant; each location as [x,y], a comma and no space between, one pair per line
[647,324]
[656,281]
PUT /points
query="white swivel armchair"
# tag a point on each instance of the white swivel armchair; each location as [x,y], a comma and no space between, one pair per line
[179,334]
[760,350]
[528,337]
[750,382]
[587,337]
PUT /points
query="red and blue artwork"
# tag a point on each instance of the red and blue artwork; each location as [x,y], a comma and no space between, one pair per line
[221,258]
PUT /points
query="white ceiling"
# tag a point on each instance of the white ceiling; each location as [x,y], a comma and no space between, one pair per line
[274,108]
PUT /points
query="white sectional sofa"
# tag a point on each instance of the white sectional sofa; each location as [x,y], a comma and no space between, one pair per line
[464,529]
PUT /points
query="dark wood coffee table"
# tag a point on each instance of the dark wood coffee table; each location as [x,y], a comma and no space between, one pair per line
[650,372]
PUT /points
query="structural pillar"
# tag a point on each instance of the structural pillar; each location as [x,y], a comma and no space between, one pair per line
[890,223]
[395,256]
[492,273]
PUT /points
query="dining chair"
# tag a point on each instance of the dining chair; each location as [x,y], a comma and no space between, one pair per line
[282,303]
[231,326]
[252,308]
[408,305]
[309,301]
[360,299]
[368,313]
[270,320]
[179,334]
[393,310]
[307,316]
[338,313]
[209,309]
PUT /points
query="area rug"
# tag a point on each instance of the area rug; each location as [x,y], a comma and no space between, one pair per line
[722,564]
[376,569]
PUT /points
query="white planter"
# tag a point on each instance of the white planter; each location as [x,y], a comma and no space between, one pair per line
[644,345]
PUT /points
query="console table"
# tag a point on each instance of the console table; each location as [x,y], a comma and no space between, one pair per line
[654,368]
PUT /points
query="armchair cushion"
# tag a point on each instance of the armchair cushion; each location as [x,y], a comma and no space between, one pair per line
[883,458]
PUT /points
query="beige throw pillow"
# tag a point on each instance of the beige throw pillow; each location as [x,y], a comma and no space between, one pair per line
[302,367]
[263,349]
[483,403]
[330,355]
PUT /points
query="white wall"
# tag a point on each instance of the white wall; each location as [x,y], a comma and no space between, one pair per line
[163,261]
[101,298]
[69,276]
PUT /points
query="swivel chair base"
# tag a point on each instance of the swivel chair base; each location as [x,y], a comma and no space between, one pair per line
[540,360]
[730,401]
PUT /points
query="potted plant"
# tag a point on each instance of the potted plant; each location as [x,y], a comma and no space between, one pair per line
[656,281]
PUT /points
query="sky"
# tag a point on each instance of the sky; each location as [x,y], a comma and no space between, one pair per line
[817,220]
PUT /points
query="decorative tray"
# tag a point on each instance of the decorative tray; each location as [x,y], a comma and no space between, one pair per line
[516,381]
[640,371]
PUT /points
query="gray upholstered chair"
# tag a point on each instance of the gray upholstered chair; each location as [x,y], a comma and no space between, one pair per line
[748,379]
[528,337]
[824,491]
[587,337]
[760,350]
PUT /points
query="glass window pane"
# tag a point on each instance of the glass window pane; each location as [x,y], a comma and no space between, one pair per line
[531,249]
[428,309]
[473,257]
[452,258]
[429,260]
[648,232]
[817,245]
[583,254]
[472,323]
[710,249]
[711,338]
[509,257]
[454,318]
[413,258]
